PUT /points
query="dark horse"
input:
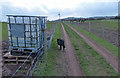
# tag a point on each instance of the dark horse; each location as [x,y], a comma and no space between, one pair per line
[60,42]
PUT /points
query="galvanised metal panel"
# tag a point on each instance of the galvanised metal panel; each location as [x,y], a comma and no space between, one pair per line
[17,30]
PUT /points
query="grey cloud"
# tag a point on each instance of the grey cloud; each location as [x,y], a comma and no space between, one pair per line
[88,9]
[100,8]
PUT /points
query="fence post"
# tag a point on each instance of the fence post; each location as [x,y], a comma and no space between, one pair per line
[45,44]
[103,30]
[45,50]
[89,26]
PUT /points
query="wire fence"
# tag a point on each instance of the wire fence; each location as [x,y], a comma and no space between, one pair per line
[32,67]
[51,36]
[41,67]
[105,29]
[37,66]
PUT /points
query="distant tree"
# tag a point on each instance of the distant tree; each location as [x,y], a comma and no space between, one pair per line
[117,17]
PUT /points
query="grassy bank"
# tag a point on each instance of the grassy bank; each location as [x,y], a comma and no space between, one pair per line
[113,49]
[92,63]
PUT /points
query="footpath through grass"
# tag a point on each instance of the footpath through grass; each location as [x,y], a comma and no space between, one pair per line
[53,66]
[92,63]
[112,48]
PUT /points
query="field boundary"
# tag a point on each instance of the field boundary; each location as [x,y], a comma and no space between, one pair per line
[100,49]
[112,48]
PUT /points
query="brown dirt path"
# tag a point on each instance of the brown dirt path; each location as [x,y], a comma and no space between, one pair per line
[71,57]
[113,60]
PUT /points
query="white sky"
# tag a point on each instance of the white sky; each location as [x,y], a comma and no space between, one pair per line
[50,4]
[50,8]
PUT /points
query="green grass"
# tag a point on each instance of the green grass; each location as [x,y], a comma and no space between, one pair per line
[50,25]
[53,67]
[112,48]
[108,24]
[92,63]
[4,33]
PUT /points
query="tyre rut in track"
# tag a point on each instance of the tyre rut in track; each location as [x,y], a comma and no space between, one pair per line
[70,56]
[113,60]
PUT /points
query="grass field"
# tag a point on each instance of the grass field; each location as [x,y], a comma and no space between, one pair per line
[105,29]
[109,24]
[50,25]
[106,44]
[92,63]
[3,26]
[53,67]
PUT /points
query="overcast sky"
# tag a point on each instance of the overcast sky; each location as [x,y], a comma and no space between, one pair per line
[51,8]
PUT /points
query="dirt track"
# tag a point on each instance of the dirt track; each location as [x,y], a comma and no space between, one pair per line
[103,51]
[73,66]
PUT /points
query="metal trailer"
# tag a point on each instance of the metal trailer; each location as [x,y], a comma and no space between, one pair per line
[26,34]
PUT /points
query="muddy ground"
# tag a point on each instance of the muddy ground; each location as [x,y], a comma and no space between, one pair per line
[7,70]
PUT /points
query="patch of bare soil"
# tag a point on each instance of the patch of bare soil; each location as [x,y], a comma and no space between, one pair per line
[113,60]
[5,46]
[9,69]
[71,65]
